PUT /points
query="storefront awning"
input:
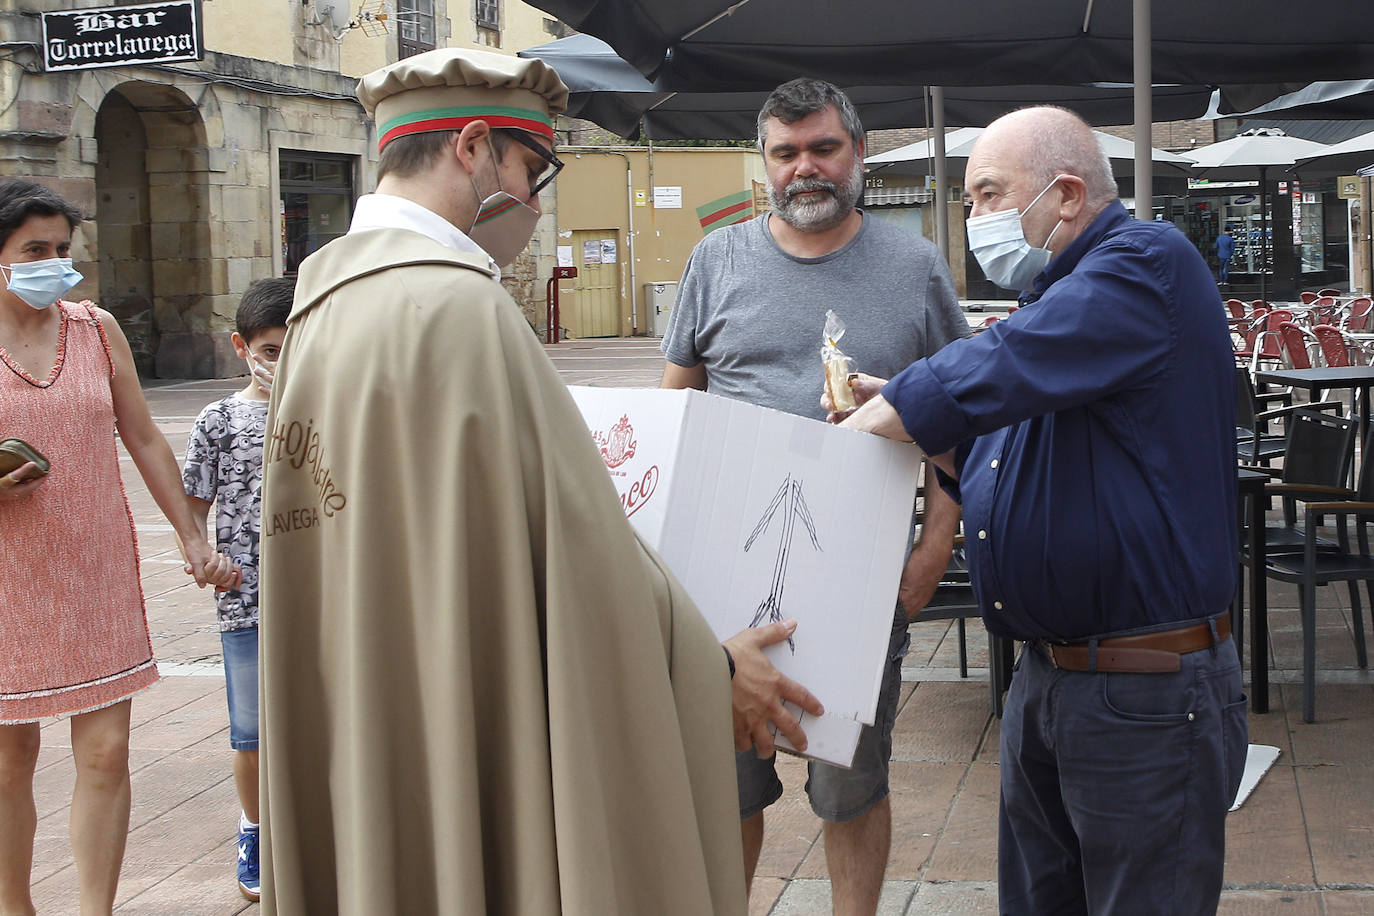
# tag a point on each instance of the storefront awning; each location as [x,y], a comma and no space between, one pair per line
[896,196]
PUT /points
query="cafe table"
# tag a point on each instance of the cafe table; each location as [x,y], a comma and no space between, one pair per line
[1358,379]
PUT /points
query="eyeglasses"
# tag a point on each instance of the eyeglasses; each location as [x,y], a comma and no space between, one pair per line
[529,142]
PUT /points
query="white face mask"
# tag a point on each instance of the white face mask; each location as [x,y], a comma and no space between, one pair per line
[41,283]
[504,224]
[999,243]
[262,370]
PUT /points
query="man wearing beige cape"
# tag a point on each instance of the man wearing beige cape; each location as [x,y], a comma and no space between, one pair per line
[481,692]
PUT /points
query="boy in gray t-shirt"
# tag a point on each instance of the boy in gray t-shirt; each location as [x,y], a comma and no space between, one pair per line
[224,467]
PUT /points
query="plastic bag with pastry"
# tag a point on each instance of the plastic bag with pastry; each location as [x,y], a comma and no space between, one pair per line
[838,367]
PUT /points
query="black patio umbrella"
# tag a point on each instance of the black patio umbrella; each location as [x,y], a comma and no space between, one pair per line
[1339,100]
[742,45]
[606,90]
[754,44]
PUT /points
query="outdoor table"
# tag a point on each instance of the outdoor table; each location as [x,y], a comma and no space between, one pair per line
[1314,381]
[1250,488]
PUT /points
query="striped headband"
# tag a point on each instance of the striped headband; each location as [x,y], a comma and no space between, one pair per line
[431,119]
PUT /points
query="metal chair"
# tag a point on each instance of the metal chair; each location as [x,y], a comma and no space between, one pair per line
[1322,562]
[1255,444]
[1355,315]
[1245,335]
[1316,462]
[1269,344]
[1338,348]
[1297,345]
[1323,310]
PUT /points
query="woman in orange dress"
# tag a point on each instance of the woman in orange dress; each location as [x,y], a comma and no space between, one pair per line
[73,635]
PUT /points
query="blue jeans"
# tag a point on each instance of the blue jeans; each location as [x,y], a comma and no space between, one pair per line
[240,649]
[1115,786]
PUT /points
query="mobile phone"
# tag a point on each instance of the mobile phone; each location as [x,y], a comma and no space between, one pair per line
[15,453]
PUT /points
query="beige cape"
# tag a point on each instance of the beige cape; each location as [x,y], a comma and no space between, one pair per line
[481,692]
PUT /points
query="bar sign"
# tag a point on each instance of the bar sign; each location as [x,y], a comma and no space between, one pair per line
[118,35]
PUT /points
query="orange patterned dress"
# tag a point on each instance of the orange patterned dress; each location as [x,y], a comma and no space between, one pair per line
[73,632]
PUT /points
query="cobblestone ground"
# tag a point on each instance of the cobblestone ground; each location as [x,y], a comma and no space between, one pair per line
[1303,843]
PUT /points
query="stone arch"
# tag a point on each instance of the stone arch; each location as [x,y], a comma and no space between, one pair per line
[152,221]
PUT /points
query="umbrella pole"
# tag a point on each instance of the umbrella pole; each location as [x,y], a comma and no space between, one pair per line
[937,98]
[1264,231]
[1368,198]
[1144,156]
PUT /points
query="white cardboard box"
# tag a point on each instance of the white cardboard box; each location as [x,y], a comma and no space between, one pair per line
[763,515]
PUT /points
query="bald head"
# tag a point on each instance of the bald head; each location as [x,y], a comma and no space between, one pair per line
[1047,141]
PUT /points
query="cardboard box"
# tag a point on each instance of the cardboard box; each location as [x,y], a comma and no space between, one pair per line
[763,516]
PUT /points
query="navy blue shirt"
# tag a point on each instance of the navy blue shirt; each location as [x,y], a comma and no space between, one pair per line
[1095,440]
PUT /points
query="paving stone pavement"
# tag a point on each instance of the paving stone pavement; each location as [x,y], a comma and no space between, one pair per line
[1302,844]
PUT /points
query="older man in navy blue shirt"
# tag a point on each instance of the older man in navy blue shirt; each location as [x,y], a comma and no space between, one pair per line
[1090,438]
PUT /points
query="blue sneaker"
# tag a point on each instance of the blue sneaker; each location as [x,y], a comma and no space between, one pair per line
[249,885]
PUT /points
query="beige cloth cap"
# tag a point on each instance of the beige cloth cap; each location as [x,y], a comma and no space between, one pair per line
[447,88]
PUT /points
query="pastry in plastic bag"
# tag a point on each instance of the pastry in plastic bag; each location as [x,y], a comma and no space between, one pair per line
[838,367]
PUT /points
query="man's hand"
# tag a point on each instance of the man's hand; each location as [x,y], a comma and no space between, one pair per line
[865,388]
[920,577]
[20,482]
[879,417]
[758,691]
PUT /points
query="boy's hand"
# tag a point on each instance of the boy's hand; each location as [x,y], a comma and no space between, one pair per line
[264,372]
[222,573]
[209,567]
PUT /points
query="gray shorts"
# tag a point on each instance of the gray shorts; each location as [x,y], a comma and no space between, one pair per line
[837,794]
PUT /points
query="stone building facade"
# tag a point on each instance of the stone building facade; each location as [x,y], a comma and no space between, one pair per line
[199,177]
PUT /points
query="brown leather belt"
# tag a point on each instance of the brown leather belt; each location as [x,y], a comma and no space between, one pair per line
[1146,653]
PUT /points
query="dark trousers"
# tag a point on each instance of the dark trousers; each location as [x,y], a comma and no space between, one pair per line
[1115,787]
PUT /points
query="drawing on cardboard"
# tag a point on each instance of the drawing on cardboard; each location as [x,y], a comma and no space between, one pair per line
[790,500]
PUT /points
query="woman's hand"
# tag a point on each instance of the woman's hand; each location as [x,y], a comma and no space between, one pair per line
[20,482]
[209,567]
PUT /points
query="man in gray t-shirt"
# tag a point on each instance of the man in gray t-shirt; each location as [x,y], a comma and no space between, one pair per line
[747,325]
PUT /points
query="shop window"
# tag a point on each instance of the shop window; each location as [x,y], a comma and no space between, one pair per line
[415,32]
[1308,238]
[316,202]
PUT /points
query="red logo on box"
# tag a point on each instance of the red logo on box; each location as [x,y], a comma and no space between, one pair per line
[634,498]
[618,445]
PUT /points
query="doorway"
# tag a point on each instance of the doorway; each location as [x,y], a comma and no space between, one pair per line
[152,231]
[593,310]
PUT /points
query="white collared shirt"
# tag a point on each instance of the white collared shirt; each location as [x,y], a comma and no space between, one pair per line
[387,211]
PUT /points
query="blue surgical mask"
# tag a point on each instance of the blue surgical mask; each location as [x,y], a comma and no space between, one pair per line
[41,283]
[999,243]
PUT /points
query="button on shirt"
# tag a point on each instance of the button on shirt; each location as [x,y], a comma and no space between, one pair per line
[1094,438]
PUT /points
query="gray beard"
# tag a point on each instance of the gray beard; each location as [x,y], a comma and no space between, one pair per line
[817,215]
